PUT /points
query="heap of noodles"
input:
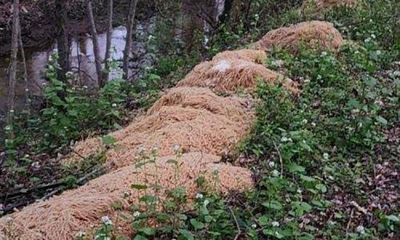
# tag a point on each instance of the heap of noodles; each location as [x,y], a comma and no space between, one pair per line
[193,118]
[232,71]
[62,217]
[184,135]
[313,34]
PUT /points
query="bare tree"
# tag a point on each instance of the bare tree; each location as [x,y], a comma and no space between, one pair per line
[128,45]
[96,48]
[12,77]
[62,39]
[109,38]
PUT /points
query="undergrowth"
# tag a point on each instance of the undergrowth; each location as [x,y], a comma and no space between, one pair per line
[326,161]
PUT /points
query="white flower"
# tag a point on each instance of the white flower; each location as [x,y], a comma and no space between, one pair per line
[26,90]
[85,87]
[177,147]
[326,156]
[114,105]
[313,124]
[378,52]
[285,139]
[299,191]
[254,226]
[271,164]
[199,196]
[305,121]
[154,149]
[80,234]
[136,214]
[278,63]
[324,53]
[275,224]
[275,173]
[373,36]
[106,220]
[330,222]
[360,229]
[142,150]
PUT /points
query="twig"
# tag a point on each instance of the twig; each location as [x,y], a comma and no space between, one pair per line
[79,182]
[79,155]
[359,208]
[280,158]
[55,191]
[2,159]
[349,222]
[237,224]
[20,191]
[92,173]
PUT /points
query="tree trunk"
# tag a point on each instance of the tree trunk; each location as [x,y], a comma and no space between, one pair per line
[128,45]
[62,40]
[396,25]
[12,77]
[27,93]
[192,25]
[227,11]
[109,39]
[96,49]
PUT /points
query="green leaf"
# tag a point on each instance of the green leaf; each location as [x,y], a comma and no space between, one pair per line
[393,218]
[108,140]
[307,178]
[208,219]
[263,220]
[381,120]
[149,199]
[186,234]
[196,224]
[299,208]
[273,205]
[139,237]
[321,187]
[294,168]
[147,231]
[139,186]
[172,161]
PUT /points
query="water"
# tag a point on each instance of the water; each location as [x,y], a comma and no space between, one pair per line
[81,62]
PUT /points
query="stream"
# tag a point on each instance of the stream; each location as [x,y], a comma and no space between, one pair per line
[81,62]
